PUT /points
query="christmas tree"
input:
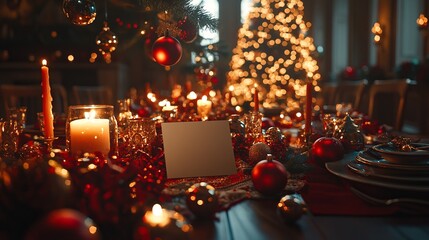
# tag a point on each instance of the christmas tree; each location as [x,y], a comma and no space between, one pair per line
[274,54]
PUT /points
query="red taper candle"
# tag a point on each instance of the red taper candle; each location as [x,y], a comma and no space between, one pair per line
[48,117]
[308,107]
[256,99]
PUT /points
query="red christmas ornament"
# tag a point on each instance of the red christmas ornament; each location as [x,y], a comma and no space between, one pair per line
[269,176]
[188,31]
[64,224]
[327,149]
[167,51]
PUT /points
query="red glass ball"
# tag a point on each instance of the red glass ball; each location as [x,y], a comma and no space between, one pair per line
[327,149]
[188,31]
[64,224]
[167,51]
[269,176]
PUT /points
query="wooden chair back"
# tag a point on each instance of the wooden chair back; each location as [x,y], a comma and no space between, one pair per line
[92,95]
[351,92]
[329,90]
[387,101]
[30,96]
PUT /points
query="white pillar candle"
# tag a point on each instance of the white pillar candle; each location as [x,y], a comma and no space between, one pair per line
[204,107]
[90,135]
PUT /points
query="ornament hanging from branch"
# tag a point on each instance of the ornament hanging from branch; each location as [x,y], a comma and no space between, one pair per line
[167,50]
[106,40]
[188,30]
[80,12]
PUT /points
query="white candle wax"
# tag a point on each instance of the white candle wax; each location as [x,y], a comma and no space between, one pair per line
[157,217]
[90,135]
[203,107]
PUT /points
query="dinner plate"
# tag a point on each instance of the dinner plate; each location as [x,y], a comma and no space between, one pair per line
[391,154]
[341,170]
[387,174]
[367,158]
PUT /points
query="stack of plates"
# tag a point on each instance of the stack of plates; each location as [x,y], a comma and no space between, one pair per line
[383,166]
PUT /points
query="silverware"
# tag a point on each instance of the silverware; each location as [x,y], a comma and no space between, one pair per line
[387,202]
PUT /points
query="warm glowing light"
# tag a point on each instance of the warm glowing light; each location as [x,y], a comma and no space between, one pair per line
[192,95]
[44,62]
[275,55]
[422,21]
[70,58]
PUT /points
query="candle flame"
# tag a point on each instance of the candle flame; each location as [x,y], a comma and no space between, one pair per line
[90,115]
[192,96]
[164,103]
[44,62]
[204,98]
[157,210]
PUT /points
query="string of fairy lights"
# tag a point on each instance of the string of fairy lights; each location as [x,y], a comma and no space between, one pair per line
[274,54]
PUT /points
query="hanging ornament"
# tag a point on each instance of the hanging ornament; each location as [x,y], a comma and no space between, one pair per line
[64,224]
[106,40]
[188,30]
[258,152]
[350,135]
[269,176]
[201,200]
[166,50]
[80,12]
[291,208]
[327,149]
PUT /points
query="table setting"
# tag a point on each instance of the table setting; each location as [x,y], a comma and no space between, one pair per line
[260,158]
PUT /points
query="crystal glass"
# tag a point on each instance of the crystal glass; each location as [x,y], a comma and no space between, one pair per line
[91,128]
[19,115]
[123,115]
[140,134]
[253,122]
[9,136]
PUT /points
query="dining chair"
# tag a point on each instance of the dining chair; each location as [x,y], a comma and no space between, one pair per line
[351,92]
[92,95]
[329,90]
[30,96]
[387,101]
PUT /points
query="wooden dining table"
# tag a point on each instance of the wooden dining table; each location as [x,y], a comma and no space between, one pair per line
[259,219]
[333,212]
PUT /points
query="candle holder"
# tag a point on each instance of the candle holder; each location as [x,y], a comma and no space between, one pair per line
[160,223]
[91,128]
[140,134]
[253,123]
[9,135]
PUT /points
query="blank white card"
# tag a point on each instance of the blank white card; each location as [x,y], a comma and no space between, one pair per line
[198,149]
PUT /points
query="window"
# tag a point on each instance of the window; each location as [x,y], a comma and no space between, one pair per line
[246,5]
[212,7]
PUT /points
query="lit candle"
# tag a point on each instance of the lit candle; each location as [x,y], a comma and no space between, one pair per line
[158,217]
[203,107]
[256,98]
[90,134]
[48,116]
[308,106]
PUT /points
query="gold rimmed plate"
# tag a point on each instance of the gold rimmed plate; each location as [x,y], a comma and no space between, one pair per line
[415,157]
[341,170]
[366,157]
[387,173]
